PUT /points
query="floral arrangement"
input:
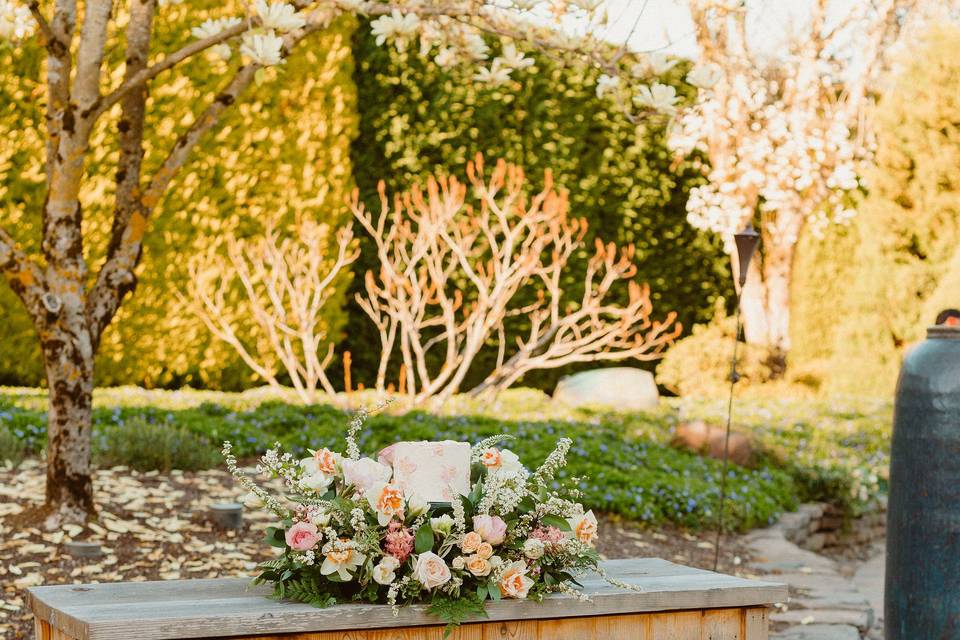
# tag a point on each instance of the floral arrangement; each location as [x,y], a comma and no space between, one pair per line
[349,532]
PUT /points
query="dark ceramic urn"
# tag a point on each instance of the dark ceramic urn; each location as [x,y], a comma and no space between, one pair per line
[922,598]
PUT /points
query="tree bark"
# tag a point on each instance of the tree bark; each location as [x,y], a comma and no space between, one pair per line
[68,359]
[765,302]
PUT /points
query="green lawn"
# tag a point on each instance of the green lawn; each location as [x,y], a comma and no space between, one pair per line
[812,450]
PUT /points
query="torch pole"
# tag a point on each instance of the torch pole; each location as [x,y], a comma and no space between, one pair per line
[734,376]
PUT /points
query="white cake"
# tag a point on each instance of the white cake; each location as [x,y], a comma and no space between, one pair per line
[435,471]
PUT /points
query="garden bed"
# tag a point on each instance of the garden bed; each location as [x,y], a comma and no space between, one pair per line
[809,451]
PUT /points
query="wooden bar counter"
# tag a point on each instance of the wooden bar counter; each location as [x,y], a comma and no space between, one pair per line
[678,603]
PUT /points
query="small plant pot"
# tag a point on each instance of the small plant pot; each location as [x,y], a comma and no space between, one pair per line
[227,515]
[79,549]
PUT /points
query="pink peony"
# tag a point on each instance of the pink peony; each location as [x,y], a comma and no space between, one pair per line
[399,541]
[302,536]
[491,528]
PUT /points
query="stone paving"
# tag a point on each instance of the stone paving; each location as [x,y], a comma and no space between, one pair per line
[824,603]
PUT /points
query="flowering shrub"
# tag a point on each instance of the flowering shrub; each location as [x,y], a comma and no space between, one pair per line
[351,530]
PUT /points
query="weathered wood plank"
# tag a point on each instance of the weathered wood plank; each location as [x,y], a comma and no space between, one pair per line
[722,624]
[676,625]
[224,608]
[756,625]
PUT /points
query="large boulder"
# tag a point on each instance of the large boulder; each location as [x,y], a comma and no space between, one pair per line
[619,387]
[709,440]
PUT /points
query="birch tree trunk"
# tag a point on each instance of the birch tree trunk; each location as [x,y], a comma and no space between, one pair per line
[68,360]
[765,301]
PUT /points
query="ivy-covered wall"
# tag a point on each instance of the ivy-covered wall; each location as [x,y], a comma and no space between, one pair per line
[416,118]
[283,148]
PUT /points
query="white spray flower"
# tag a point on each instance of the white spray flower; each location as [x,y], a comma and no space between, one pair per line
[279,16]
[262,48]
[660,97]
[513,58]
[659,63]
[606,85]
[396,26]
[705,77]
[496,74]
[16,23]
[210,28]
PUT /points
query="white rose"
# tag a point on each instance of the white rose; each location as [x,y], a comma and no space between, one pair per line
[459,563]
[533,549]
[252,501]
[431,571]
[509,464]
[317,482]
[320,520]
[310,466]
[416,505]
[443,524]
[390,563]
[383,574]
[365,472]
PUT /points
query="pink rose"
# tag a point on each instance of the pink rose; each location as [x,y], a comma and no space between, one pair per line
[302,536]
[491,528]
[431,571]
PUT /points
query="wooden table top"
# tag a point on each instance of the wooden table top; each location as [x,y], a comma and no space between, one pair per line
[232,607]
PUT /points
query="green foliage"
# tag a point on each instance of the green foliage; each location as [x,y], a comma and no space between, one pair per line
[283,148]
[417,119]
[455,611]
[308,591]
[145,445]
[699,365]
[831,451]
[873,292]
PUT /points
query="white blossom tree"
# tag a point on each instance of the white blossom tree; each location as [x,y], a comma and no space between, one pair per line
[69,304]
[784,134]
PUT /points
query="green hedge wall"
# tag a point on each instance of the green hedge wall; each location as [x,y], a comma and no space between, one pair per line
[284,144]
[416,118]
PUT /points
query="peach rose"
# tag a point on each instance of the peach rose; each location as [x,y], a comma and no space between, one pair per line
[485,550]
[302,536]
[584,527]
[431,571]
[491,528]
[387,500]
[326,461]
[490,457]
[471,542]
[478,566]
[514,582]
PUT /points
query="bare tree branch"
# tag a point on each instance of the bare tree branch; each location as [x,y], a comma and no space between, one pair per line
[42,23]
[116,276]
[431,242]
[287,282]
[23,275]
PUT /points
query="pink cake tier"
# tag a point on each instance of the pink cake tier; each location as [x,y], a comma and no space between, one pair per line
[435,471]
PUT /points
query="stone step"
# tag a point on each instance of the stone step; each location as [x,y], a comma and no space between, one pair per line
[818,632]
[862,619]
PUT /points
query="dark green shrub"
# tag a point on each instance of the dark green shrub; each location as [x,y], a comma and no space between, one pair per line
[145,445]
